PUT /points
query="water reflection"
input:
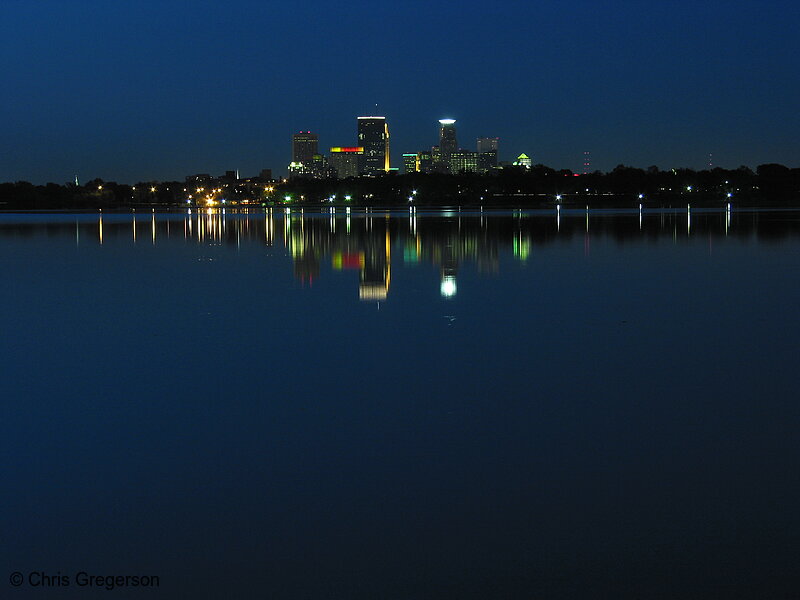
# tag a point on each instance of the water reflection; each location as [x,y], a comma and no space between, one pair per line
[537,390]
[366,240]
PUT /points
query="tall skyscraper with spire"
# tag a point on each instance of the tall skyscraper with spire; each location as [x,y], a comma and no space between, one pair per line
[373,136]
[448,144]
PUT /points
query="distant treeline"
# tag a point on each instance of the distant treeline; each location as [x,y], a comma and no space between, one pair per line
[769,184]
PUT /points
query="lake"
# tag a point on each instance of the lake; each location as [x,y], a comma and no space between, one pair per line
[332,403]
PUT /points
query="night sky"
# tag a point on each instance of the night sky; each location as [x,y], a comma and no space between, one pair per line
[156,90]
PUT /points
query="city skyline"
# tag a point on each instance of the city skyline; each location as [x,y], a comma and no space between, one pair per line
[164,92]
[371,155]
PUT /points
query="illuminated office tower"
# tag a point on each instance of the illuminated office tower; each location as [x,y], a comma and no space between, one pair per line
[411,162]
[425,161]
[463,160]
[487,153]
[447,139]
[304,147]
[346,160]
[373,136]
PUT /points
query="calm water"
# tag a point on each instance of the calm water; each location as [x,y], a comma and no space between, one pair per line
[402,406]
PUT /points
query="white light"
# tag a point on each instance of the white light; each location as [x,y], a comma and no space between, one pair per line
[558,196]
[448,286]
[447,121]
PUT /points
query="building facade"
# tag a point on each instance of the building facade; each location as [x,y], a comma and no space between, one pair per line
[373,136]
[411,163]
[523,160]
[487,144]
[304,147]
[463,160]
[425,161]
[487,153]
[448,143]
[346,161]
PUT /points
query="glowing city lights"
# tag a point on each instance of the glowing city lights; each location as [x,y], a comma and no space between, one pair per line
[448,288]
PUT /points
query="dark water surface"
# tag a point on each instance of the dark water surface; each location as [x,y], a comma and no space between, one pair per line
[401,406]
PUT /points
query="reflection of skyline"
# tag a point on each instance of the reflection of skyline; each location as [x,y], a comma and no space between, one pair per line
[368,240]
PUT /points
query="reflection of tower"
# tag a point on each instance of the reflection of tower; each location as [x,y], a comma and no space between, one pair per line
[448,144]
[306,266]
[377,270]
[373,136]
[447,286]
[301,246]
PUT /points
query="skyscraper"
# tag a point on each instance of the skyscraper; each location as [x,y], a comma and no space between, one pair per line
[463,160]
[447,139]
[487,144]
[304,147]
[346,160]
[487,153]
[411,162]
[373,136]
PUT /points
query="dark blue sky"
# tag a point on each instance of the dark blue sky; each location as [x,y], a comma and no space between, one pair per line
[139,90]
